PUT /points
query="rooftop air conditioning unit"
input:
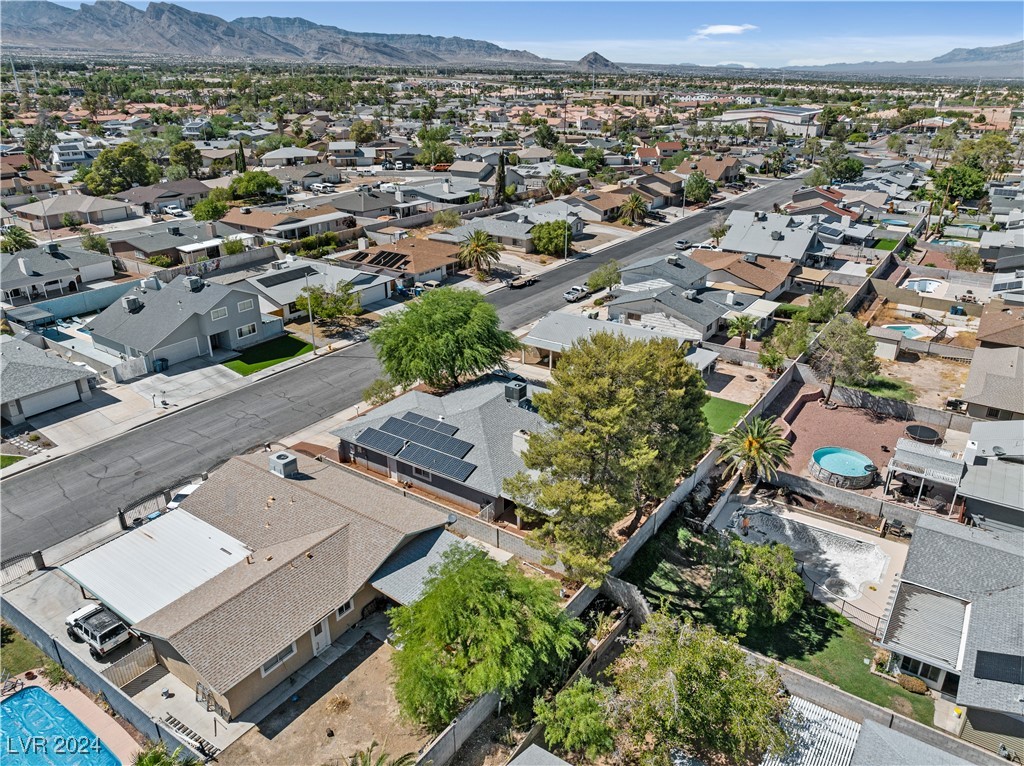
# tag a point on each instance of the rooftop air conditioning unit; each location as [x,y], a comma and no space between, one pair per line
[673,259]
[284,464]
[515,391]
[777,236]
[689,294]
[193,283]
[174,231]
[130,302]
[750,258]
[53,247]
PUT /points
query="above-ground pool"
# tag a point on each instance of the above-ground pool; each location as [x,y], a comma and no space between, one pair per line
[841,467]
[922,285]
[39,731]
[894,222]
[908,331]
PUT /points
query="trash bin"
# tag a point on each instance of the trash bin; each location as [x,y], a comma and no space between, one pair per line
[160,365]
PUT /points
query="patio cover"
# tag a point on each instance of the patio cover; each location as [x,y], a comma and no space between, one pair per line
[27,315]
[145,569]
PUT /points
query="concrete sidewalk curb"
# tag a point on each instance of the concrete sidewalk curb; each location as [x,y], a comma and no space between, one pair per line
[229,388]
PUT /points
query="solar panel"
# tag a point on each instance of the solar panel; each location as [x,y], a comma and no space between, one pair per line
[426,436]
[380,441]
[427,422]
[437,462]
[288,275]
[993,666]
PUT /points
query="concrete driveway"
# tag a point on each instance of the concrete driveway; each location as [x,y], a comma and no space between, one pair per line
[184,380]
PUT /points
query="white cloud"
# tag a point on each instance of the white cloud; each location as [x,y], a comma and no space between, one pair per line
[714,30]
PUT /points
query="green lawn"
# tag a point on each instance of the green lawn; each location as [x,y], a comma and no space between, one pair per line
[268,354]
[6,460]
[887,388]
[17,653]
[886,244]
[723,414]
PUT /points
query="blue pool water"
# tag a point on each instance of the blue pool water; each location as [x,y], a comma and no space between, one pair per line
[845,462]
[894,222]
[969,225]
[951,242]
[906,329]
[36,730]
[921,285]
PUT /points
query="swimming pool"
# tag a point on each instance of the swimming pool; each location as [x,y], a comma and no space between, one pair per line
[909,331]
[969,226]
[894,222]
[841,467]
[922,285]
[949,242]
[39,731]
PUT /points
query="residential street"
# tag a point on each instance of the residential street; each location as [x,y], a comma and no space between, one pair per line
[56,501]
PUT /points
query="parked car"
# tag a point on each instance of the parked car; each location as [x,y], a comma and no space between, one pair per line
[523,280]
[682,244]
[401,166]
[97,627]
[174,210]
[440,167]
[508,375]
[576,293]
[387,166]
[431,284]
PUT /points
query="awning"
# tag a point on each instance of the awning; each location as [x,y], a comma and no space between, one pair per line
[29,315]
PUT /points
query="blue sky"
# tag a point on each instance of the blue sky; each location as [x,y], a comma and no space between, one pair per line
[710,32]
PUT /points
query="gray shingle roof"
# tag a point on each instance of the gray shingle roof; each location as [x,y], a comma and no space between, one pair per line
[747,235]
[535,755]
[158,237]
[684,272]
[27,370]
[403,576]
[879,746]
[996,378]
[39,261]
[316,539]
[483,418]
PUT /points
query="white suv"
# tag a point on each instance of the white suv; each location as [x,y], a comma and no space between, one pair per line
[98,627]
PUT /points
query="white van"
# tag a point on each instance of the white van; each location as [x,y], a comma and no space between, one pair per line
[322,188]
[400,165]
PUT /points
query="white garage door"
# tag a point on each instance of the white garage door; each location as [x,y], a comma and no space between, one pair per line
[178,352]
[47,400]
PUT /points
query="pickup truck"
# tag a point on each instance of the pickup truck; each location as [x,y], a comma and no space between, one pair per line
[576,293]
[174,210]
[523,280]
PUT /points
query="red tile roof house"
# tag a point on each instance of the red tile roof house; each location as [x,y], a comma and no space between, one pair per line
[260,569]
[647,155]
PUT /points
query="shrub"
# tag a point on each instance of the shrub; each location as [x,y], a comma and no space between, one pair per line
[161,261]
[869,270]
[233,247]
[381,391]
[789,311]
[33,437]
[57,675]
[913,684]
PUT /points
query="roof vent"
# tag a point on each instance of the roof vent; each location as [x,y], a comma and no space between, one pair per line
[245,210]
[284,464]
[515,391]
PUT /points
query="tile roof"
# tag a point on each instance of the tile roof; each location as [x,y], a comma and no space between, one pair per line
[317,539]
[766,274]
[26,370]
[410,254]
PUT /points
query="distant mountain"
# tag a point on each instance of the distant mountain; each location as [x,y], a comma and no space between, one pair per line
[999,62]
[111,27]
[595,63]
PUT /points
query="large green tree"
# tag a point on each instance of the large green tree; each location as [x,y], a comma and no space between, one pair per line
[578,720]
[605,275]
[958,182]
[625,422]
[253,183]
[120,168]
[845,353]
[758,449]
[698,188]
[209,210]
[825,305]
[634,209]
[329,305]
[839,166]
[444,336]
[552,238]
[684,687]
[479,626]
[187,155]
[361,132]
[965,258]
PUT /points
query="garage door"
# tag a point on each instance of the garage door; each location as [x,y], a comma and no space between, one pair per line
[56,397]
[178,352]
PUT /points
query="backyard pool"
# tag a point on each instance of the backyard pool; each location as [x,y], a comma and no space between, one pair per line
[841,467]
[842,565]
[894,222]
[975,226]
[909,331]
[39,731]
[922,285]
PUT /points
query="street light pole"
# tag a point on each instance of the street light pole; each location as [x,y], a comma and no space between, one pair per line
[312,327]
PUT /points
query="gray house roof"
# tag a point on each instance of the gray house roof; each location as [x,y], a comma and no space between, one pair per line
[881,746]
[927,625]
[483,418]
[26,370]
[777,236]
[159,237]
[163,311]
[535,755]
[986,570]
[996,378]
[27,266]
[682,271]
[493,226]
[283,286]
[998,482]
[402,577]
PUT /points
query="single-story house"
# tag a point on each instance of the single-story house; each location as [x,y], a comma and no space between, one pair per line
[184,319]
[304,176]
[288,155]
[294,222]
[149,199]
[995,384]
[280,287]
[771,235]
[747,273]
[47,213]
[368,203]
[54,269]
[261,569]
[414,260]
[511,235]
[33,381]
[180,241]
[459,447]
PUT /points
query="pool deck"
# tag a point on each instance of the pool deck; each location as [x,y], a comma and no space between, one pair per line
[93,716]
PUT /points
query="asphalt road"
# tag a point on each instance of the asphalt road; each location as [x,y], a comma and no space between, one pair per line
[54,502]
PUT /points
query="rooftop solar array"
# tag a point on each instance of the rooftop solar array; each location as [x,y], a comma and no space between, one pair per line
[435,425]
[437,462]
[426,437]
[993,666]
[380,441]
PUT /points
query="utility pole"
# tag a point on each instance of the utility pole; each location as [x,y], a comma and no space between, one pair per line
[312,327]
[17,85]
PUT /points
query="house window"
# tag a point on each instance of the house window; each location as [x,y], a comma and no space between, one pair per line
[245,305]
[271,664]
[632,316]
[421,473]
[345,608]
[918,668]
[246,330]
[993,412]
[218,313]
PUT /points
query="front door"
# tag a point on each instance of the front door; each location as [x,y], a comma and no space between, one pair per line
[321,636]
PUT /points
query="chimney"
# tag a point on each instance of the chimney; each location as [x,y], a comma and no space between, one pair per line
[363,243]
[730,298]
[53,248]
[23,267]
[520,441]
[399,196]
[284,464]
[211,229]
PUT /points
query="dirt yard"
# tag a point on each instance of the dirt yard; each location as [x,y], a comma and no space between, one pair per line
[934,380]
[299,732]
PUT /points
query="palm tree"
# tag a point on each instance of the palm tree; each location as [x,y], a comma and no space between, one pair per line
[634,209]
[743,326]
[558,183]
[758,449]
[479,251]
[17,239]
[157,755]
[367,758]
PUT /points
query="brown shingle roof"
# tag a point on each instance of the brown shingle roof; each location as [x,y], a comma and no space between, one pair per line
[766,274]
[419,255]
[715,169]
[316,541]
[1001,324]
